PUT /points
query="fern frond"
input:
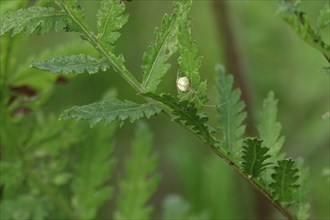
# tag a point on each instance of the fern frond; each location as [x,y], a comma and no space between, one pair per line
[285,181]
[269,128]
[254,157]
[154,64]
[111,110]
[29,20]
[91,171]
[296,18]
[231,114]
[110,18]
[72,64]
[140,181]
[186,114]
[189,65]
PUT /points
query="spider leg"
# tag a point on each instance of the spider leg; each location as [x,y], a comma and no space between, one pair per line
[186,95]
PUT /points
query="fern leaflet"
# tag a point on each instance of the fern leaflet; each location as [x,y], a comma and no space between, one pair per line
[140,180]
[254,157]
[111,110]
[154,64]
[72,64]
[110,18]
[189,64]
[92,170]
[285,181]
[29,20]
[269,129]
[231,114]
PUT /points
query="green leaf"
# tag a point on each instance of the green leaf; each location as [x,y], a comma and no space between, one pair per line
[29,20]
[269,128]
[92,170]
[154,64]
[111,110]
[185,113]
[72,64]
[285,181]
[323,21]
[189,65]
[231,114]
[140,181]
[110,18]
[254,157]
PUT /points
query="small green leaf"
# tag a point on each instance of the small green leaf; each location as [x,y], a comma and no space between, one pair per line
[72,64]
[140,181]
[254,157]
[189,65]
[269,128]
[231,114]
[29,20]
[285,181]
[111,110]
[154,65]
[110,18]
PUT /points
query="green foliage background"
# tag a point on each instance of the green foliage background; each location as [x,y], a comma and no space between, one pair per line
[274,58]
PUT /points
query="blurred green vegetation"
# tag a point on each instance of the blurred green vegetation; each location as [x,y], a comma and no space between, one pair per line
[274,58]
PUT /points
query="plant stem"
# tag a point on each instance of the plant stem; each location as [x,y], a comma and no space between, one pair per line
[255,184]
[136,85]
[316,43]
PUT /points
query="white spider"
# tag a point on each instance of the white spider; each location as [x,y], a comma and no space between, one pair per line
[183,85]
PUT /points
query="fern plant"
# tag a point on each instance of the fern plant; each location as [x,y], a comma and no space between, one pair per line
[174,35]
[290,11]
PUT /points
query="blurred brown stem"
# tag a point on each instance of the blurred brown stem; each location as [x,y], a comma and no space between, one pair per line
[234,64]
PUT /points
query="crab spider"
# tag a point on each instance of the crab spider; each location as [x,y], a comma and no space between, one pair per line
[183,85]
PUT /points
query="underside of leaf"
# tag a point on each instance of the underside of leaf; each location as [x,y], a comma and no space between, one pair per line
[111,110]
[72,64]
